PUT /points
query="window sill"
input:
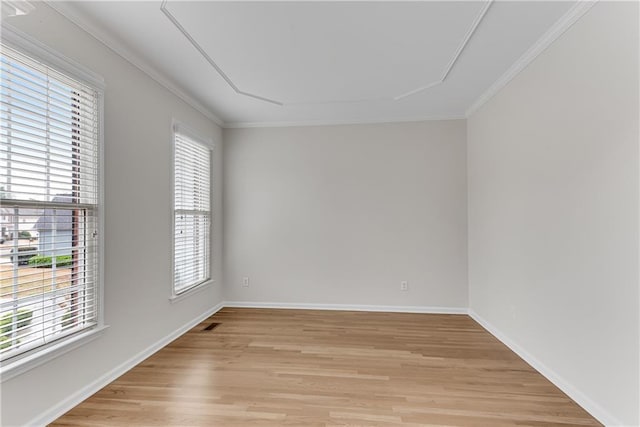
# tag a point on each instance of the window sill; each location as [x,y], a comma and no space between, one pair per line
[183,295]
[20,366]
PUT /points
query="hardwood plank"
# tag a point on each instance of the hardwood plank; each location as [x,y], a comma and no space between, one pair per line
[267,367]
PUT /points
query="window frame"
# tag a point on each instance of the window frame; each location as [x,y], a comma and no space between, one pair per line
[178,127]
[38,51]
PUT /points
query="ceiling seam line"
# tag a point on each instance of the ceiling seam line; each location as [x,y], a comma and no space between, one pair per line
[467,38]
[227,79]
[211,62]
[144,67]
[457,54]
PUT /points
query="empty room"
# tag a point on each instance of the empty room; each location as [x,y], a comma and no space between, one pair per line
[329,213]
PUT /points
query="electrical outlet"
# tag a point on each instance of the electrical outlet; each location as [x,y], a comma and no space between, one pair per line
[404,285]
[245,282]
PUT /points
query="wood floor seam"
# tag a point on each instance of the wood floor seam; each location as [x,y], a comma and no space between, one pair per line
[284,367]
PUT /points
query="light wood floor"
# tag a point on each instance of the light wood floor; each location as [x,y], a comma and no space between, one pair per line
[264,367]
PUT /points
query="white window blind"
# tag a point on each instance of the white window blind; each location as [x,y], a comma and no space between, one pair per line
[49,192]
[192,211]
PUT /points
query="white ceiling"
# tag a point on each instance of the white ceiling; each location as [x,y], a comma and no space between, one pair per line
[324,62]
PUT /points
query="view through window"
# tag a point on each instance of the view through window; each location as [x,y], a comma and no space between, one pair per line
[49,136]
[192,211]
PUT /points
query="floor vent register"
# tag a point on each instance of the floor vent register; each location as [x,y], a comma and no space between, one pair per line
[211,327]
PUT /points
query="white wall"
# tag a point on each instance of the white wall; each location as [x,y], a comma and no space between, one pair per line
[138,114]
[343,214]
[553,211]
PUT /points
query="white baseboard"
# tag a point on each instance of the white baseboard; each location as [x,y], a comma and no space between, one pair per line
[75,399]
[580,398]
[348,307]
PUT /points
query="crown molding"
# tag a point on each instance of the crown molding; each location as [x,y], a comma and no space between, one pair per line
[470,32]
[458,52]
[205,55]
[83,23]
[15,8]
[562,25]
[243,125]
[547,39]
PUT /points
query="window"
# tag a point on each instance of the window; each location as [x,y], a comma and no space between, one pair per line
[192,211]
[49,200]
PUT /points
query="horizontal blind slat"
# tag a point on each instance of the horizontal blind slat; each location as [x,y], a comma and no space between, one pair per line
[192,189]
[49,135]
